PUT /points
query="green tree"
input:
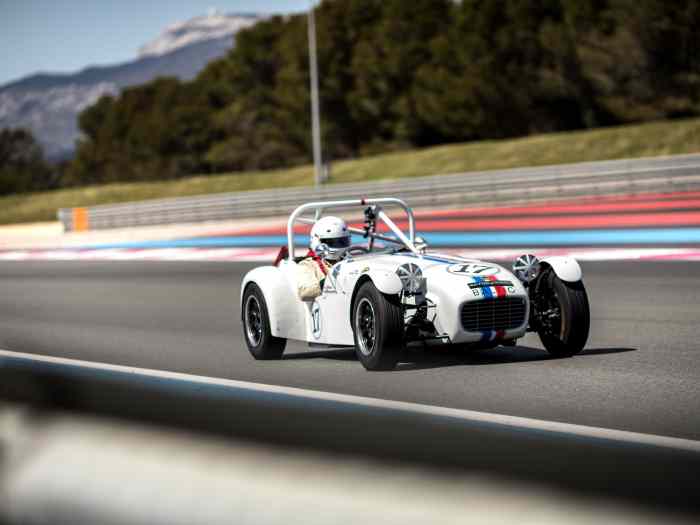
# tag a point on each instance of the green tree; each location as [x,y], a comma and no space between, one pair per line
[156,131]
[397,74]
[22,165]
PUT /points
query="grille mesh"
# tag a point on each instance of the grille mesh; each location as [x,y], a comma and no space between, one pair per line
[502,313]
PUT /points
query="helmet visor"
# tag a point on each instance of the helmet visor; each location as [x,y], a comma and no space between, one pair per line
[338,242]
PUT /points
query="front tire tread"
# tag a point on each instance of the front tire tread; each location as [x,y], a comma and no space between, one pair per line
[575,313]
[389,329]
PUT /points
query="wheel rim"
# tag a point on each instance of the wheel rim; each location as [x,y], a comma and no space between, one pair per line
[365,326]
[551,315]
[253,320]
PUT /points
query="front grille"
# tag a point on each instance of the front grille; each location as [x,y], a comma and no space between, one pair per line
[502,313]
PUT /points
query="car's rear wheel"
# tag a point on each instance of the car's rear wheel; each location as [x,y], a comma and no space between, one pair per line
[561,314]
[378,328]
[256,326]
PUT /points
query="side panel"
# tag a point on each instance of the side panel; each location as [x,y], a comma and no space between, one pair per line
[566,268]
[288,314]
[329,320]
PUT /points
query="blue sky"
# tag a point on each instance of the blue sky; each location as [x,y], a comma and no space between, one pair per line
[67,35]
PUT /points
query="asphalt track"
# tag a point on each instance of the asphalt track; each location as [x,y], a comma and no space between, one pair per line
[640,371]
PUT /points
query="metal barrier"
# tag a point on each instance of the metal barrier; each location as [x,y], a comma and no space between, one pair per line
[626,176]
[600,464]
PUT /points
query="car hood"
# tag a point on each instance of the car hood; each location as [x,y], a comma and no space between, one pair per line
[455,275]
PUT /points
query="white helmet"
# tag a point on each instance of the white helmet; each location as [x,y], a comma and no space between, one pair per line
[330,238]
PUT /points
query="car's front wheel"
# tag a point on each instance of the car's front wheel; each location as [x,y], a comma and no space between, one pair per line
[561,314]
[256,326]
[378,328]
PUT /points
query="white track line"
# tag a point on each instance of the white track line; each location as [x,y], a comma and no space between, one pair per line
[624,436]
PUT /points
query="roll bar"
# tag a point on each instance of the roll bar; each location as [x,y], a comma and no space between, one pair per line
[318,207]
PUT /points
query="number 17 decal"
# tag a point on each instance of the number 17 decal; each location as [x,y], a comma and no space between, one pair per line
[472,269]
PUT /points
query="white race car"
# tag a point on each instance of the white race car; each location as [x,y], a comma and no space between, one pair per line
[390,292]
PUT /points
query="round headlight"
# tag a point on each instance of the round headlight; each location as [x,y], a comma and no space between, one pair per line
[526,267]
[411,277]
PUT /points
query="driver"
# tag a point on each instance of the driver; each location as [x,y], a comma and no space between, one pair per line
[330,240]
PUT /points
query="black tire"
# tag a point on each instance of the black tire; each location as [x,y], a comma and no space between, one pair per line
[261,343]
[564,335]
[381,350]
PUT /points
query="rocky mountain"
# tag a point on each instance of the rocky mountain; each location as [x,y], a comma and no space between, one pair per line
[48,104]
[214,25]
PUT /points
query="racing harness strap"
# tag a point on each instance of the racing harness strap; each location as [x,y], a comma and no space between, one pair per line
[318,261]
[283,254]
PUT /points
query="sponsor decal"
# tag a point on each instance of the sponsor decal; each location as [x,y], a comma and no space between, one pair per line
[484,284]
[476,292]
[472,269]
[316,321]
[486,288]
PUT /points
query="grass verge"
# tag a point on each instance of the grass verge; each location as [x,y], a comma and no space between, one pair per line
[643,140]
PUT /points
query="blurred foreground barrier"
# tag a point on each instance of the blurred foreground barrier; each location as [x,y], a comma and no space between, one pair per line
[68,469]
[651,472]
[630,176]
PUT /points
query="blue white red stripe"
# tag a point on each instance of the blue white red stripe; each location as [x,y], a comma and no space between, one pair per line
[500,290]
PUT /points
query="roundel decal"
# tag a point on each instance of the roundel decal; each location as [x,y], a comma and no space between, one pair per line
[472,269]
[316,320]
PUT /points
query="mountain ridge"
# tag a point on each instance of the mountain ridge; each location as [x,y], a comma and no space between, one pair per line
[212,25]
[48,104]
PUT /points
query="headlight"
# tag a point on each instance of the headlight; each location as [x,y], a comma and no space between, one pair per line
[411,277]
[526,267]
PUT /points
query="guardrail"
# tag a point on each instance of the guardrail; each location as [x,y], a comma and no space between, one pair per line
[633,468]
[627,176]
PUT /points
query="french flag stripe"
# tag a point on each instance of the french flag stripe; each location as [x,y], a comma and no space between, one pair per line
[500,290]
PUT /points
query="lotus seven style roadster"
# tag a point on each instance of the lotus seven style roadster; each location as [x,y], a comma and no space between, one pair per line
[390,291]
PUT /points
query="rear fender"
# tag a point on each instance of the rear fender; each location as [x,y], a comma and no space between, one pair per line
[566,268]
[285,310]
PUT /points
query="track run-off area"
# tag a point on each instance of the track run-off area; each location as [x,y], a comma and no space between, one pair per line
[644,226]
[640,371]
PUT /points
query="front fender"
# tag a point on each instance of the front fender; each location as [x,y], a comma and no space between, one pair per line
[386,281]
[566,268]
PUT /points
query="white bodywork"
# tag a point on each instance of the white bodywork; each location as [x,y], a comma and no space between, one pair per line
[566,268]
[448,283]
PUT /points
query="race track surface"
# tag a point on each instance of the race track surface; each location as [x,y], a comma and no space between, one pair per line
[640,371]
